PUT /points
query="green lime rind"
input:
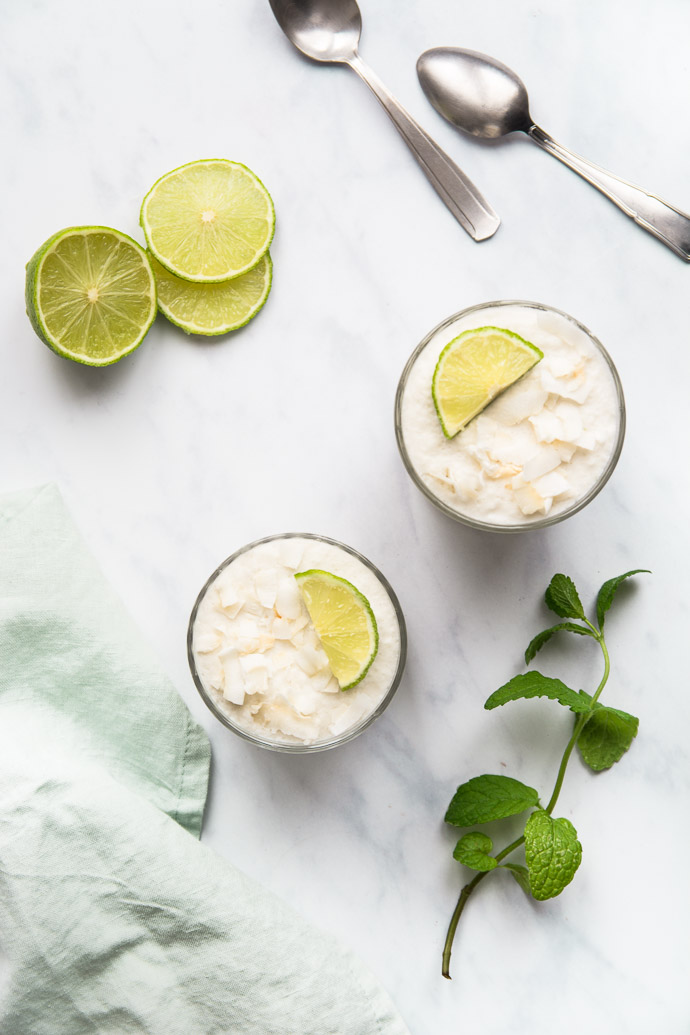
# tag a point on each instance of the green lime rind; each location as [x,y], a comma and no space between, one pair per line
[328,576]
[182,301]
[527,345]
[35,311]
[185,271]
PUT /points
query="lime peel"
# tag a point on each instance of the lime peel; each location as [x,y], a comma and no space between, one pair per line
[344,622]
[473,369]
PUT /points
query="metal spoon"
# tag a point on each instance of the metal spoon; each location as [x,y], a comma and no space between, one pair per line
[329,30]
[486,99]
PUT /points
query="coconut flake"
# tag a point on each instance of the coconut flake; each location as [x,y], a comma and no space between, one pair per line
[513,447]
[568,414]
[226,590]
[284,718]
[565,450]
[311,660]
[528,500]
[211,671]
[303,700]
[545,460]
[234,681]
[288,600]
[291,552]
[553,484]
[206,643]
[547,426]
[252,662]
[331,687]
[266,587]
[255,673]
[519,401]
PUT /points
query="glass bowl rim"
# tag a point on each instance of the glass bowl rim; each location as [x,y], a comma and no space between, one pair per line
[487,526]
[347,735]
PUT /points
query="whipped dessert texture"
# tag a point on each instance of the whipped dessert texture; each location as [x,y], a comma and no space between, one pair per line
[260,658]
[535,450]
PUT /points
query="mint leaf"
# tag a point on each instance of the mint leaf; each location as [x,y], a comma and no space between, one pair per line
[606,736]
[561,596]
[543,637]
[553,854]
[534,684]
[608,591]
[521,875]
[473,850]
[489,797]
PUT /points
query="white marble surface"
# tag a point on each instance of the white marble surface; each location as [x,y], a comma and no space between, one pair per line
[188,449]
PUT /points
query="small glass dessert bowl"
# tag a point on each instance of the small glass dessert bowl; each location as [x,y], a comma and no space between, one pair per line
[261,666]
[543,448]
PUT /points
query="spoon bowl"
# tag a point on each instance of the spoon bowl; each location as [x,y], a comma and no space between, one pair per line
[477,93]
[324,30]
[486,99]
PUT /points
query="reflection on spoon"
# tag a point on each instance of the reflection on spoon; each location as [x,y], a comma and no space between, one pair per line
[329,30]
[486,99]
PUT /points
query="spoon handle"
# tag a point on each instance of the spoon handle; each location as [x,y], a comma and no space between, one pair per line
[667,223]
[460,195]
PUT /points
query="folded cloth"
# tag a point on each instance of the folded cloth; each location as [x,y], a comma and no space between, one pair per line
[113,917]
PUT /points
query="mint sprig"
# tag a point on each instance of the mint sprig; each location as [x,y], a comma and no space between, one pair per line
[602,735]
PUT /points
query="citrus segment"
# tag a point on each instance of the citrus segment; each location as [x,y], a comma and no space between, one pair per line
[213,308]
[90,294]
[473,369]
[208,221]
[344,623]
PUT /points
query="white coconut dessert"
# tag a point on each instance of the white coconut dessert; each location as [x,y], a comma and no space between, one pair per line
[541,449]
[258,660]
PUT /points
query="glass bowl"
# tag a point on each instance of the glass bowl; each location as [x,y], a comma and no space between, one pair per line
[442,334]
[223,710]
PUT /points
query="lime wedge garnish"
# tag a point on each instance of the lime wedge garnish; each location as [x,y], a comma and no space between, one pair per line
[90,294]
[473,369]
[344,623]
[213,308]
[208,221]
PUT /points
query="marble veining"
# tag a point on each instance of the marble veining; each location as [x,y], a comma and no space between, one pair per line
[190,448]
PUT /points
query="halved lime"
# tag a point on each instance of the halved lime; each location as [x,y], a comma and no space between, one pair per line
[208,221]
[90,294]
[473,369]
[344,623]
[213,308]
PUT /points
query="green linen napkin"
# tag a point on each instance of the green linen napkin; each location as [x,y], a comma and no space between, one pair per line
[113,918]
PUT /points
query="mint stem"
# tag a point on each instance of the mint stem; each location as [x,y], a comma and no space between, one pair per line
[457,913]
[469,887]
[464,895]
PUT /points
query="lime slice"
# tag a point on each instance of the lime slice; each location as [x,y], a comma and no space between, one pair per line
[344,623]
[90,294]
[213,308]
[473,369]
[208,221]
